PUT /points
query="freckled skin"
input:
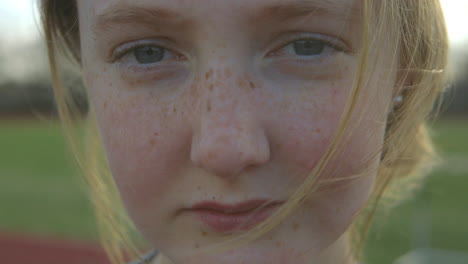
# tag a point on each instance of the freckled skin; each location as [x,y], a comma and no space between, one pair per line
[221,126]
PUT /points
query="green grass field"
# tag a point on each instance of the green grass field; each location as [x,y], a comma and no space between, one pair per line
[40,193]
[437,216]
[39,190]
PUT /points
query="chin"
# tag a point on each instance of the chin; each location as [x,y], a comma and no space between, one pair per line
[300,248]
[253,254]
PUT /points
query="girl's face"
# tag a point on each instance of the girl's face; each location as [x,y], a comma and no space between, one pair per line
[231,101]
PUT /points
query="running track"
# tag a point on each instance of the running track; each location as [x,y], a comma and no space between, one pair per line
[23,249]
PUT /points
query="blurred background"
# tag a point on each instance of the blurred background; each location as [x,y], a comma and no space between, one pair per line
[42,203]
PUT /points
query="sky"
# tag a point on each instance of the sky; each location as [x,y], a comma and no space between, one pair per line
[19,19]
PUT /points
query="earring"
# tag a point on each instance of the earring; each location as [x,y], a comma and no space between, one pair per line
[148,258]
[397,101]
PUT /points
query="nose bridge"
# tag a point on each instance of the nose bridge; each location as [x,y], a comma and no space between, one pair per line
[229,136]
[226,86]
[223,97]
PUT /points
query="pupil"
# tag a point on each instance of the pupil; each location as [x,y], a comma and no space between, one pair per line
[308,47]
[147,55]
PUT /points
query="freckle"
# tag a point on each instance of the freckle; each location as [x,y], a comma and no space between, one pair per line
[156,134]
[278,244]
[346,68]
[318,130]
[198,187]
[197,246]
[212,198]
[208,106]
[210,87]
[333,83]
[174,110]
[105,105]
[208,74]
[295,226]
[152,142]
[203,233]
[252,85]
[241,83]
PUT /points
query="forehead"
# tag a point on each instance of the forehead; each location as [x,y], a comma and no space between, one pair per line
[102,12]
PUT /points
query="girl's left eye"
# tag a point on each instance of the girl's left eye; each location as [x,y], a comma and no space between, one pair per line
[306,47]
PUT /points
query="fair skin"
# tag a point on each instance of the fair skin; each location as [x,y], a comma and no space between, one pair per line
[236,108]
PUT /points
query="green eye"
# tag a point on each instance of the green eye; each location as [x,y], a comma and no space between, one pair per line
[308,47]
[149,54]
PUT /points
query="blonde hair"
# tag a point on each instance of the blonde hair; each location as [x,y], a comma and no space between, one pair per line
[421,47]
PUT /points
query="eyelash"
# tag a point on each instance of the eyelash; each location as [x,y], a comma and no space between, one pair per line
[327,42]
[330,44]
[128,49]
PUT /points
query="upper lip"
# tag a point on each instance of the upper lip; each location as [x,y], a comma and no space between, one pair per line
[240,207]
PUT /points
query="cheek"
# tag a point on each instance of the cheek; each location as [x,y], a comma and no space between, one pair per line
[307,127]
[348,178]
[138,133]
[307,130]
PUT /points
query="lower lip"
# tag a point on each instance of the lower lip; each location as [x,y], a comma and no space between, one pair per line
[222,222]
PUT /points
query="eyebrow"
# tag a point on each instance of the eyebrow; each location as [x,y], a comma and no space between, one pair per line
[126,14]
[285,11]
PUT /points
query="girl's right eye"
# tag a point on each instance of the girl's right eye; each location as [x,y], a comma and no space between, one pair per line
[142,54]
[148,54]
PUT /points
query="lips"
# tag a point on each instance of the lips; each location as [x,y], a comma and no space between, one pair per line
[230,217]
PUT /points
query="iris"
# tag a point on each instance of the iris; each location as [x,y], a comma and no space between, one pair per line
[149,54]
[308,47]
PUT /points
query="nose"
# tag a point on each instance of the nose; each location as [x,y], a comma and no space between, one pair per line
[229,149]
[230,139]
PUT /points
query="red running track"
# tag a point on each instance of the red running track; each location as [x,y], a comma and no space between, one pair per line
[22,249]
